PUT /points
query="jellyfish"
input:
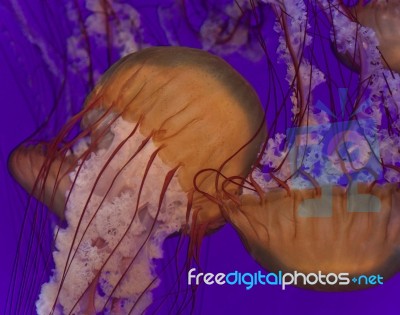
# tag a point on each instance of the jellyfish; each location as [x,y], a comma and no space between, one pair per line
[158,130]
[325,196]
[320,196]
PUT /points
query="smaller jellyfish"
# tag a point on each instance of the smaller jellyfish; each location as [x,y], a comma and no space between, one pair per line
[159,131]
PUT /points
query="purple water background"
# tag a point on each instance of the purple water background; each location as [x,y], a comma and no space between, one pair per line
[221,252]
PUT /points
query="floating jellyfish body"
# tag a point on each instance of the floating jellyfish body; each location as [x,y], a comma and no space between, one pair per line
[158,132]
[345,241]
[327,197]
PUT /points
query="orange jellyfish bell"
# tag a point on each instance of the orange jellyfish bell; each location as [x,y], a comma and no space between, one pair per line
[212,102]
[159,132]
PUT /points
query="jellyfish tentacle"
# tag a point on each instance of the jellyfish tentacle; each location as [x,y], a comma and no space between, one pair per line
[98,182]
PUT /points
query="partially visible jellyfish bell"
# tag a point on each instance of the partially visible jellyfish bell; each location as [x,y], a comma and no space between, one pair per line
[384,18]
[357,243]
[160,132]
[381,16]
